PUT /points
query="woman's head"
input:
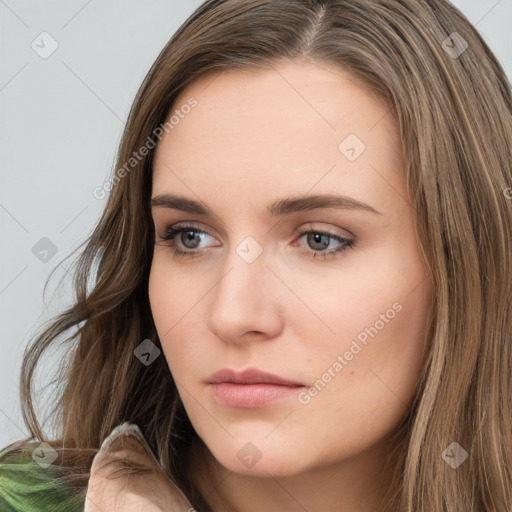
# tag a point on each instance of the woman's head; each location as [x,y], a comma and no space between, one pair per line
[395,103]
[343,314]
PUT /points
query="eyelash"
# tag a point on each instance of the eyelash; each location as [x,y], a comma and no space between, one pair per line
[171,233]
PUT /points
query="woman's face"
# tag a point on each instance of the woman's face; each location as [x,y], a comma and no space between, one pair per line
[270,156]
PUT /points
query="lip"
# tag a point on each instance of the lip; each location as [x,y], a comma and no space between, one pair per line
[250,388]
[249,376]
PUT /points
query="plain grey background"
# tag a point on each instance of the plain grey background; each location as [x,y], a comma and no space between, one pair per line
[62,115]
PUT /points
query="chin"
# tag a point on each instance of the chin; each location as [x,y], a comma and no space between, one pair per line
[261,459]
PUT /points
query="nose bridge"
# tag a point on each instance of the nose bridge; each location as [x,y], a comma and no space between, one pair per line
[243,297]
[245,272]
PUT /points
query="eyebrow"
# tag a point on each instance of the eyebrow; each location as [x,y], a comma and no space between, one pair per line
[277,208]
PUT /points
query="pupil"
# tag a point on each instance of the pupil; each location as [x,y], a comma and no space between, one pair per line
[190,237]
[317,239]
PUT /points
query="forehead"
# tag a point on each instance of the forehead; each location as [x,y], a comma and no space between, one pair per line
[283,128]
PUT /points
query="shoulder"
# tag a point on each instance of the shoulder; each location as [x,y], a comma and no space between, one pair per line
[28,485]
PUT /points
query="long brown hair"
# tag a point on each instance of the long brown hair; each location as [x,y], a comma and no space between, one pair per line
[454,107]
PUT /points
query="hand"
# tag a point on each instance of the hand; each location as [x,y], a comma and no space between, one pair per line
[112,489]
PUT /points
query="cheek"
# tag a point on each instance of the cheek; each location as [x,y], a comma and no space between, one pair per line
[175,299]
[172,291]
[164,303]
[161,300]
[366,358]
[377,295]
[377,382]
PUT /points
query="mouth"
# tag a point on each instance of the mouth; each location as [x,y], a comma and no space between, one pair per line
[251,388]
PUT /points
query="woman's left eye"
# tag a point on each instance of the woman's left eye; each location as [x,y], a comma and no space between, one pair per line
[316,237]
[180,236]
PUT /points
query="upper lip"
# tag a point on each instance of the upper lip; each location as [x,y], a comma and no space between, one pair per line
[249,376]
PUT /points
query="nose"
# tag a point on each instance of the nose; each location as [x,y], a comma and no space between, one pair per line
[246,303]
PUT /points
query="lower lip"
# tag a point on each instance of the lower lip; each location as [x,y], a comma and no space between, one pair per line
[251,396]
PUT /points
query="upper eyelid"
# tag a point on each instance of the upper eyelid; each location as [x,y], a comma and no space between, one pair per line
[184,226]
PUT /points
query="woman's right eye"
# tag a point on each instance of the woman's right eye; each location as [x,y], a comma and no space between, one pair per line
[193,235]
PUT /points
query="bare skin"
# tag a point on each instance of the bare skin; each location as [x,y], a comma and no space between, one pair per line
[256,137]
